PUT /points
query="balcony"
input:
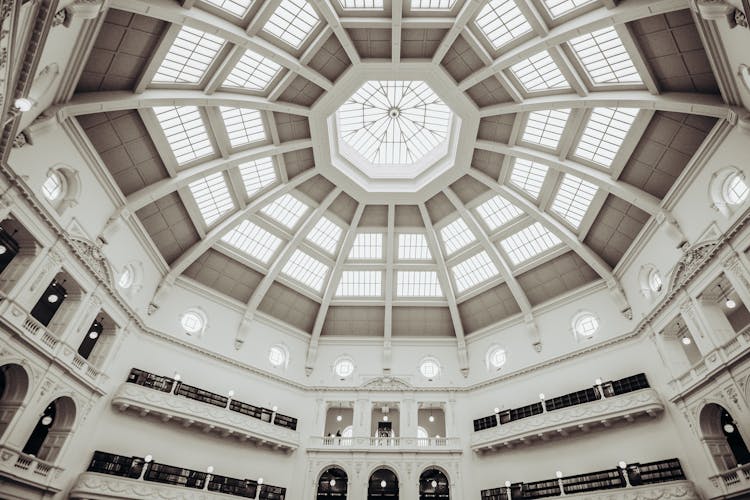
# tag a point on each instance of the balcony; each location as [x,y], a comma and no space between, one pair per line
[29,470]
[386,444]
[731,482]
[166,398]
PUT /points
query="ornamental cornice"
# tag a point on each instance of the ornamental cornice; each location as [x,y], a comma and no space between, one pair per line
[93,486]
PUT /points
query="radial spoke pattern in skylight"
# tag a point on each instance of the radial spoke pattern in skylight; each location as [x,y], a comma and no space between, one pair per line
[244,126]
[257,174]
[418,284]
[432,4]
[546,127]
[604,134]
[325,234]
[497,211]
[189,57]
[413,246]
[292,21]
[501,21]
[235,7]
[306,269]
[473,271]
[394,122]
[539,72]
[529,242]
[573,199]
[253,240]
[185,132]
[286,210]
[528,175]
[456,236]
[360,284]
[367,246]
[211,194]
[557,8]
[362,4]
[252,72]
[605,58]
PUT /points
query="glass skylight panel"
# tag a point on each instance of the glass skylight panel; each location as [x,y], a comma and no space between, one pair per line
[528,175]
[286,210]
[212,196]
[360,284]
[292,21]
[604,134]
[252,72]
[367,246]
[418,284]
[185,132]
[325,234]
[362,4]
[605,58]
[546,127]
[501,21]
[557,8]
[456,236]
[235,7]
[413,246]
[257,174]
[529,242]
[497,211]
[189,57]
[306,269]
[473,271]
[244,126]
[253,240]
[573,199]
[539,72]
[432,4]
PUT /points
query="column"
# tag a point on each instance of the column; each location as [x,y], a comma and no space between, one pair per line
[703,340]
[79,319]
[672,352]
[7,201]
[716,323]
[40,273]
[362,417]
[449,409]
[408,415]
[17,270]
[736,270]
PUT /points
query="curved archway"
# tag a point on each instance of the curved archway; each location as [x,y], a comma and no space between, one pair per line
[722,437]
[14,385]
[333,483]
[52,430]
[433,483]
[383,484]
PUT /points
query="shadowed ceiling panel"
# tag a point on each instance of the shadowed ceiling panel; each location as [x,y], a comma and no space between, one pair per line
[289,306]
[121,51]
[460,61]
[420,43]
[467,188]
[292,127]
[664,150]
[374,216]
[302,92]
[331,60]
[224,274]
[125,147]
[359,321]
[372,43]
[410,321]
[344,206]
[488,162]
[496,128]
[488,92]
[555,277]
[316,188]
[438,207]
[297,162]
[615,228]
[487,308]
[168,223]
[408,216]
[673,48]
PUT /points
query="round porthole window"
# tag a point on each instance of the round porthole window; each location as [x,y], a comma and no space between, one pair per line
[496,357]
[655,282]
[53,186]
[344,367]
[125,280]
[735,189]
[585,325]
[277,355]
[429,368]
[193,322]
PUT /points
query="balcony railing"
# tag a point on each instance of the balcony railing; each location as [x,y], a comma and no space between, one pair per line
[732,481]
[29,469]
[148,393]
[386,444]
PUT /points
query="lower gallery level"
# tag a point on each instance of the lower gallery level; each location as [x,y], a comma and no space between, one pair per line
[374,249]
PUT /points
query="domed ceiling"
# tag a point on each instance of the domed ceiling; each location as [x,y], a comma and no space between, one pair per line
[404,168]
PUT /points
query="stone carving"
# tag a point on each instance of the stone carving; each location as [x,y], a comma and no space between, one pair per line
[92,255]
[386,384]
[740,19]
[690,263]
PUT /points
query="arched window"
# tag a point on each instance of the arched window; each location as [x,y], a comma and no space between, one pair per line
[585,325]
[14,385]
[720,433]
[433,484]
[333,483]
[52,430]
[383,484]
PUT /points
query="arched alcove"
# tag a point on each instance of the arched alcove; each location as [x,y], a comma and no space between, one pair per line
[383,484]
[14,385]
[53,428]
[333,483]
[722,437]
[433,483]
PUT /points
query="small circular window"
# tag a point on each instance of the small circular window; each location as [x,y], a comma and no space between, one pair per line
[125,280]
[193,322]
[655,282]
[497,357]
[277,355]
[735,189]
[53,186]
[429,368]
[585,324]
[344,367]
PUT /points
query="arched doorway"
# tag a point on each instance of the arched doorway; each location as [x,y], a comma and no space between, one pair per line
[383,484]
[14,384]
[722,437]
[333,483]
[433,484]
[52,430]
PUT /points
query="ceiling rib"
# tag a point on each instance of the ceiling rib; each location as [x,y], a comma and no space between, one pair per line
[333,20]
[390,238]
[467,13]
[397,7]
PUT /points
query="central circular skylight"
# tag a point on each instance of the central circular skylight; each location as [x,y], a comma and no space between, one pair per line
[394,122]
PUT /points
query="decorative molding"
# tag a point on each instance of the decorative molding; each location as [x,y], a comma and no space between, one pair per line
[386,384]
[94,486]
[692,261]
[92,255]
